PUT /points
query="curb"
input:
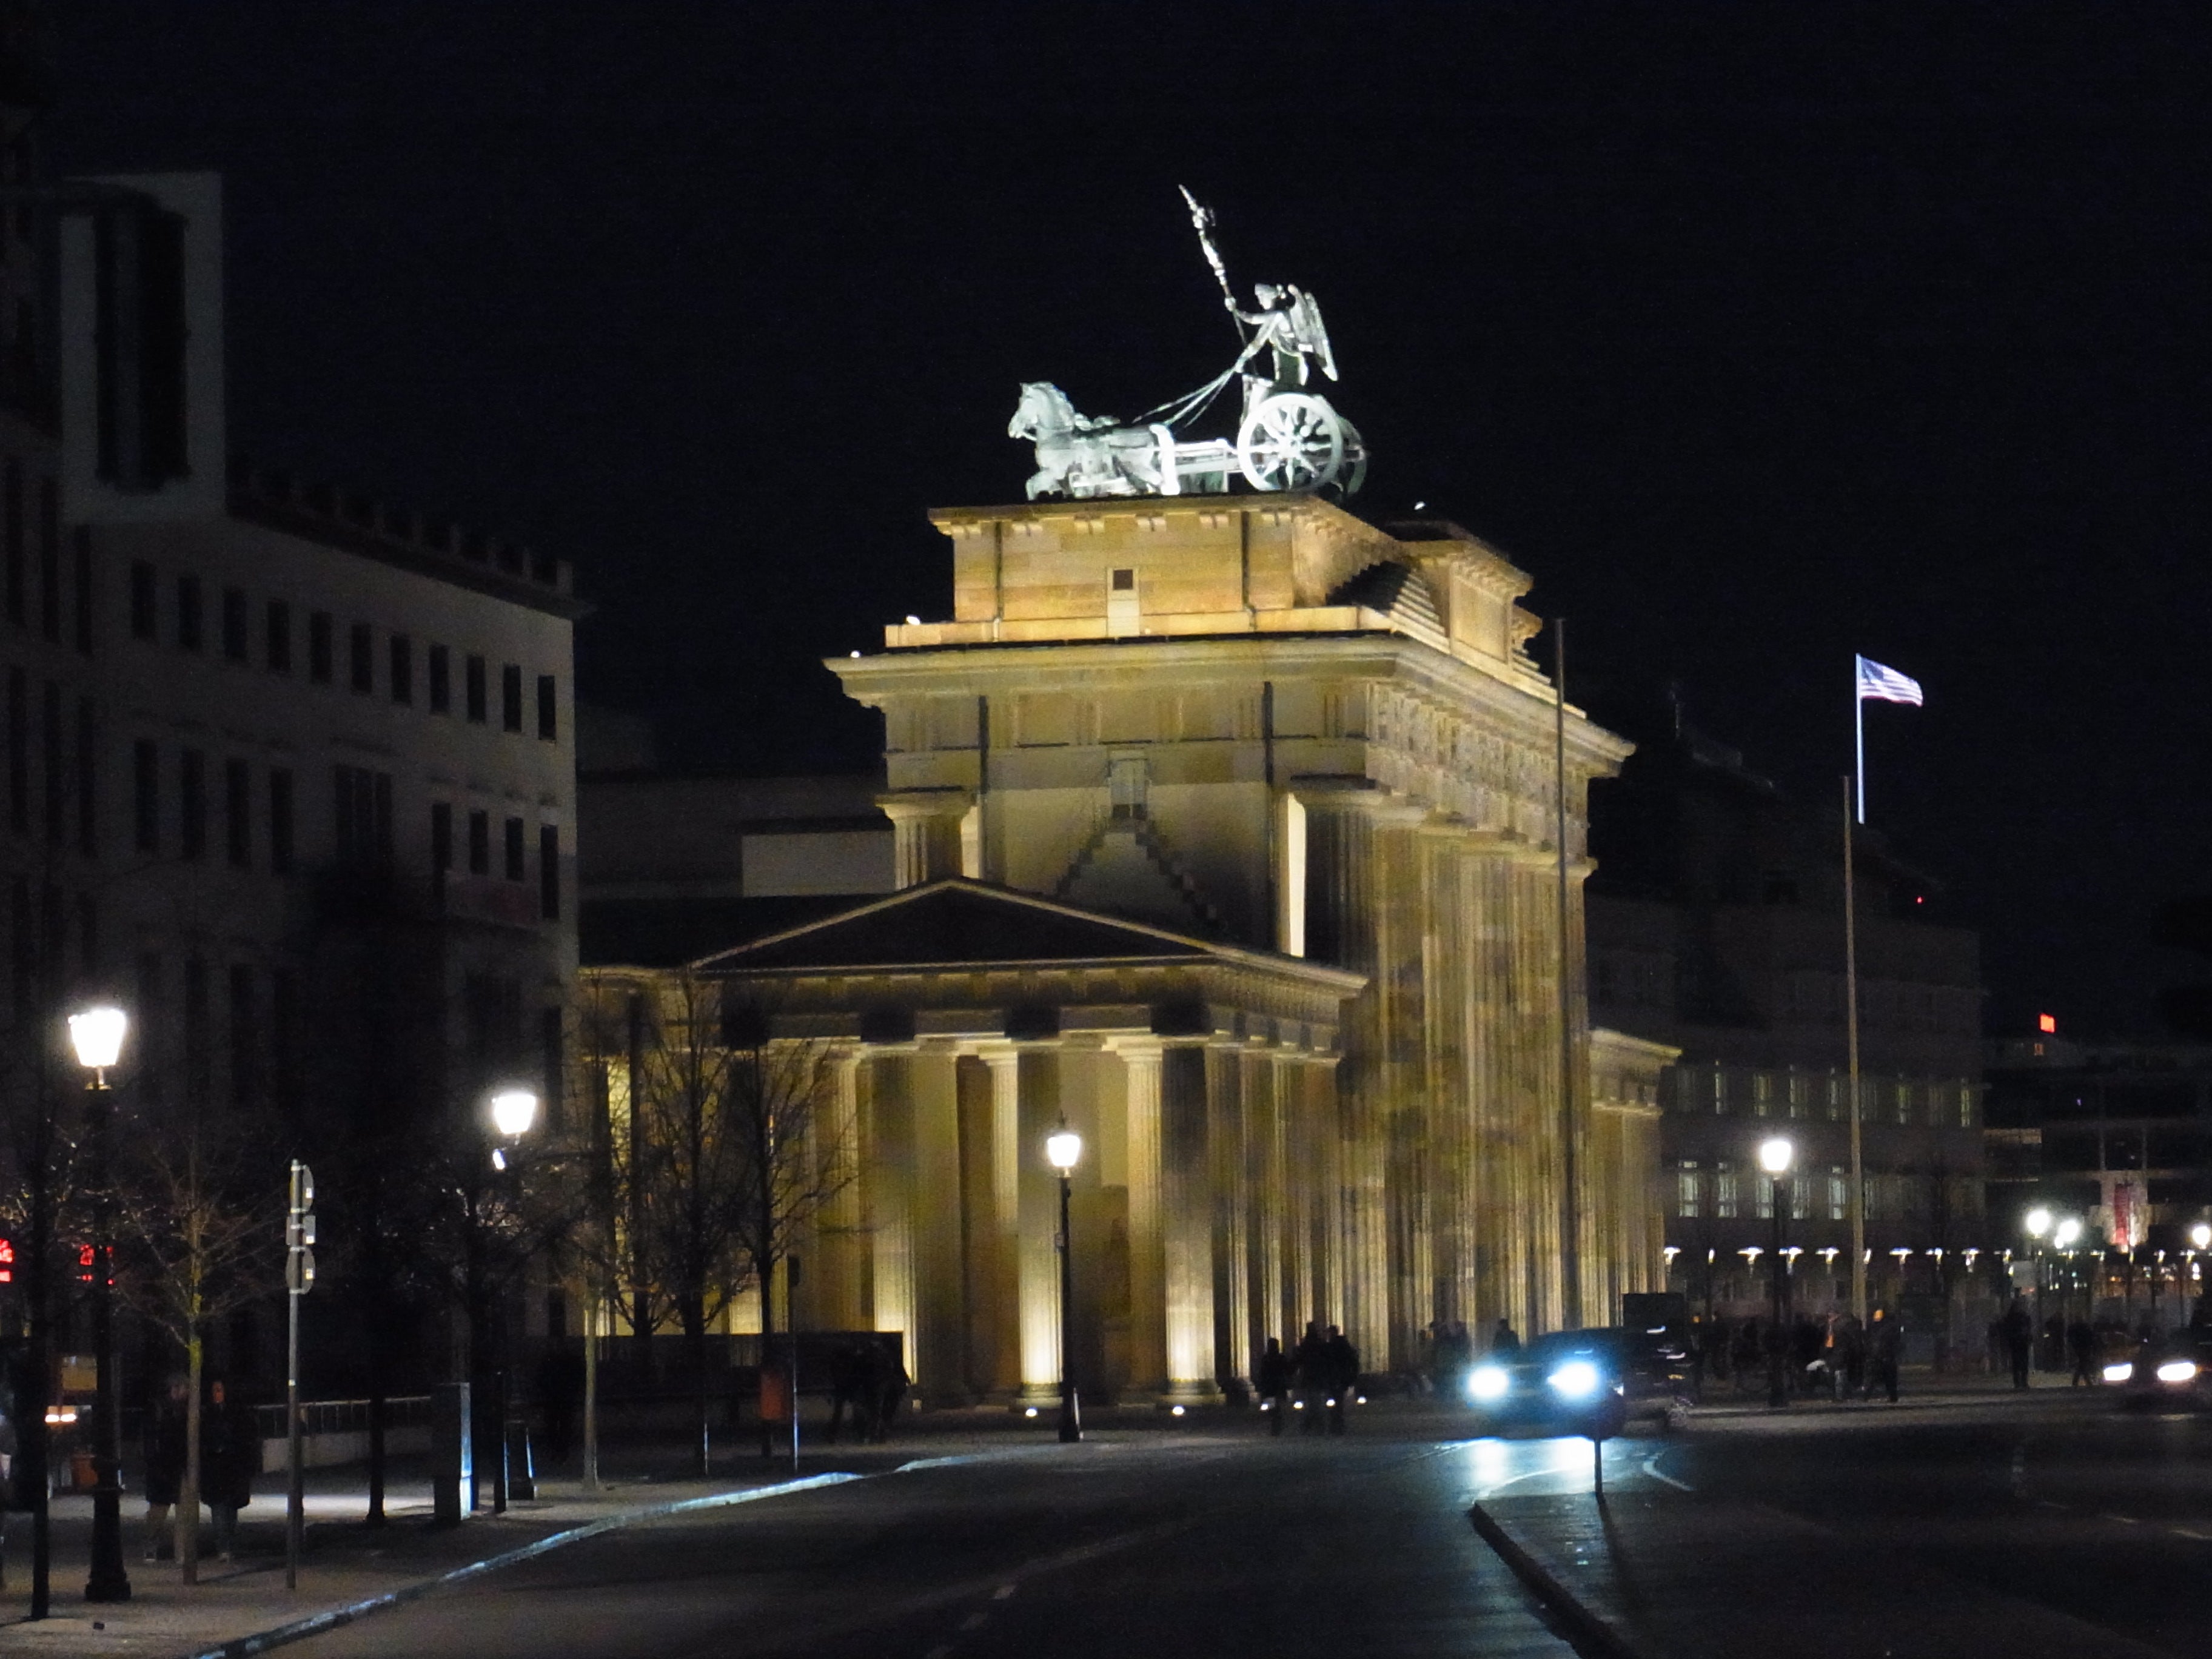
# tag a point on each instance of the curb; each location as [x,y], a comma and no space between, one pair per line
[331,1619]
[1590,1635]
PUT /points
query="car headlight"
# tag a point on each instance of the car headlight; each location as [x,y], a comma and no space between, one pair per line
[1488,1382]
[2177,1370]
[2120,1370]
[1577,1380]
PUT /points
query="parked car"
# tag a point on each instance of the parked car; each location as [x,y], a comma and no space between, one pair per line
[1563,1381]
[2168,1373]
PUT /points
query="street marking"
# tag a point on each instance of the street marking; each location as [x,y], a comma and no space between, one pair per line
[2183,1532]
[2050,1504]
[2124,1520]
[1651,1468]
[1004,1591]
[975,1621]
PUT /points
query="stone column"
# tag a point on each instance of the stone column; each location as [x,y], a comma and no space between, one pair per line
[1148,1342]
[1039,1207]
[1003,1242]
[887,1198]
[1232,1305]
[926,826]
[838,1271]
[1264,1189]
[1189,1225]
[940,1367]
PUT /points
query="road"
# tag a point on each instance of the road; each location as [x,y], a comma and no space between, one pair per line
[1219,1542]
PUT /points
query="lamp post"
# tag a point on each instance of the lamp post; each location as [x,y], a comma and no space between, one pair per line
[2038,1223]
[514,1112]
[2065,1233]
[2200,1238]
[1775,1155]
[96,1034]
[1063,1148]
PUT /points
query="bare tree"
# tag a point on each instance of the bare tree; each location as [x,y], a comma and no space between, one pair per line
[199,1206]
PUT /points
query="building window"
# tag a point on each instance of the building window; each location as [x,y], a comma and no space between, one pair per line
[1720,1090]
[479,844]
[441,680]
[15,541]
[1800,1093]
[1727,1191]
[198,1063]
[1762,1094]
[188,613]
[146,795]
[319,631]
[234,624]
[549,709]
[244,1037]
[478,705]
[50,561]
[280,821]
[279,642]
[1687,1190]
[510,697]
[1904,1103]
[363,806]
[145,607]
[87,777]
[1966,1105]
[1764,1187]
[1835,1098]
[403,669]
[442,846]
[81,559]
[1839,1195]
[549,871]
[360,657]
[57,781]
[238,811]
[19,752]
[514,849]
[192,803]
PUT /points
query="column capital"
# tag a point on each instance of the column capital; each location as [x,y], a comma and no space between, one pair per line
[1345,793]
[910,806]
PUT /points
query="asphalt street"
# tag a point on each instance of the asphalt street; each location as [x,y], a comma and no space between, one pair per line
[1218,1540]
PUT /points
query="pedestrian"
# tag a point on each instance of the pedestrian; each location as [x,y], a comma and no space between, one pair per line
[1855,1357]
[1463,1358]
[2019,1339]
[1343,1377]
[1311,1360]
[230,1458]
[166,1444]
[1274,1377]
[1883,1343]
[1504,1341]
[2081,1339]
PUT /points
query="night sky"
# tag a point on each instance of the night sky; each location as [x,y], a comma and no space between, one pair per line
[1759,336]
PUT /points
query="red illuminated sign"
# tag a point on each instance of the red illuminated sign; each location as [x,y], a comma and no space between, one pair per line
[2047,1024]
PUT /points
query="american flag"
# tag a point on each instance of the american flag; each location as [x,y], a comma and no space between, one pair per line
[1885,685]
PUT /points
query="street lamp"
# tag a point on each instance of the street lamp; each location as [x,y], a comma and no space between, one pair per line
[1775,1155]
[514,1112]
[1062,1150]
[96,1034]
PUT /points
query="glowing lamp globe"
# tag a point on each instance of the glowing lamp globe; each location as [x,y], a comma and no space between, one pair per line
[2039,1221]
[2065,1233]
[97,1036]
[2200,1236]
[513,1112]
[1062,1149]
[1775,1155]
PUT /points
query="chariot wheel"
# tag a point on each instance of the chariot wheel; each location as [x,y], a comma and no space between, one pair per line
[1291,440]
[1354,472]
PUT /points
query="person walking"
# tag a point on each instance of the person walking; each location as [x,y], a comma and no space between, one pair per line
[1504,1341]
[1309,1361]
[2020,1340]
[1855,1357]
[1343,1362]
[1274,1378]
[2081,1340]
[165,1448]
[230,1458]
[1883,1343]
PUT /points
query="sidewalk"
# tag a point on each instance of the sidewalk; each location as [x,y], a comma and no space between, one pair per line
[1673,1575]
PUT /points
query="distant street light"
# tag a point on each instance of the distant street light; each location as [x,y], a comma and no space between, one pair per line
[1775,1156]
[96,1034]
[1063,1149]
[513,1114]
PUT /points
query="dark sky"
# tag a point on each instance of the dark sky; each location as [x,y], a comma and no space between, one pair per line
[1759,336]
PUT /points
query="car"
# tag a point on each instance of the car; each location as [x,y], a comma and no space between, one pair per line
[1566,1381]
[2167,1373]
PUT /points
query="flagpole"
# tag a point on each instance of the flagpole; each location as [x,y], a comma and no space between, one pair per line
[1858,731]
[1852,1056]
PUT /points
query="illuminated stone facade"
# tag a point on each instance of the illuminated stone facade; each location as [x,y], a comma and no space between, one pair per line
[1267,722]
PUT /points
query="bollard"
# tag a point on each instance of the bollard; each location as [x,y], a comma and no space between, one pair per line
[452,1472]
[521,1476]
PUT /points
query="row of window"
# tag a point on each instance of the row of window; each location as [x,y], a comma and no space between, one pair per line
[53,724]
[1726,1191]
[1721,1089]
[398,681]
[257,826]
[54,586]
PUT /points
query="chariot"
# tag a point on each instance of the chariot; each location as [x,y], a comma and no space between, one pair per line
[1287,438]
